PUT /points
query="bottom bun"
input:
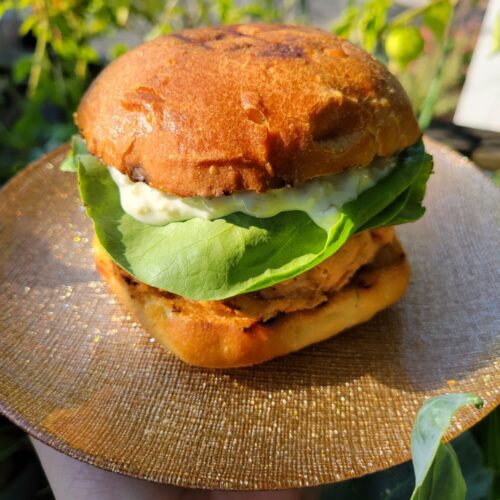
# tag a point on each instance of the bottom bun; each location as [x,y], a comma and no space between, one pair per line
[199,336]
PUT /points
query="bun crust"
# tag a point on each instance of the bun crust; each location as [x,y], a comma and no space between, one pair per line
[249,107]
[204,334]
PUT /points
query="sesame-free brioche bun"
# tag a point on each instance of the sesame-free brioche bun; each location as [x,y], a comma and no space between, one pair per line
[212,111]
[206,334]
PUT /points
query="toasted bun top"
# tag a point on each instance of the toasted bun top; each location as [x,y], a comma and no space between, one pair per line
[250,107]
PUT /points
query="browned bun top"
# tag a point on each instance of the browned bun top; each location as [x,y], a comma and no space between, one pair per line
[249,107]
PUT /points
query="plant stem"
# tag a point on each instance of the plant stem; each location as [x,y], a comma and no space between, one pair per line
[427,111]
[38,56]
[305,10]
[408,15]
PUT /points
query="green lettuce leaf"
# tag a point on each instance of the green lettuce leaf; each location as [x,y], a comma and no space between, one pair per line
[78,148]
[437,470]
[211,260]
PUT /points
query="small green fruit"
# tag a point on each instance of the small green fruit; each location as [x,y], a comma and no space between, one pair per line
[404,44]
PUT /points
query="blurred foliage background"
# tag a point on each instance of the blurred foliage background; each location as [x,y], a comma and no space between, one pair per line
[51,50]
[59,46]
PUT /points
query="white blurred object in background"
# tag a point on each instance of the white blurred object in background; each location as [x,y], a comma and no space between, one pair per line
[479,105]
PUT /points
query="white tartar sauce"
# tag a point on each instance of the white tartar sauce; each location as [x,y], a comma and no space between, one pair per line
[321,198]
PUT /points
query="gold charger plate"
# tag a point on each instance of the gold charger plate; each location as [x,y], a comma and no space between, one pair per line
[80,375]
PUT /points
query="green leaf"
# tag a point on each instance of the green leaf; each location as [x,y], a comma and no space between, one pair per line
[211,260]
[397,482]
[227,11]
[407,207]
[413,209]
[391,212]
[27,25]
[444,480]
[88,53]
[437,17]
[22,68]
[121,14]
[347,23]
[437,471]
[372,22]
[78,147]
[68,164]
[5,6]
[117,50]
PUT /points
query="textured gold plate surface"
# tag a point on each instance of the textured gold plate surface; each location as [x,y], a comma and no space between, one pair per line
[80,375]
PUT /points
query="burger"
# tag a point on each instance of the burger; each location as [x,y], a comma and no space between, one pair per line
[243,184]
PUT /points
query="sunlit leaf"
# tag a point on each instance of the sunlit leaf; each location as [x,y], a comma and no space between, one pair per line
[27,25]
[117,50]
[122,13]
[437,470]
[347,23]
[372,22]
[437,17]
[21,68]
[5,6]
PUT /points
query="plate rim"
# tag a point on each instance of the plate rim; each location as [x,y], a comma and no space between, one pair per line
[103,463]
